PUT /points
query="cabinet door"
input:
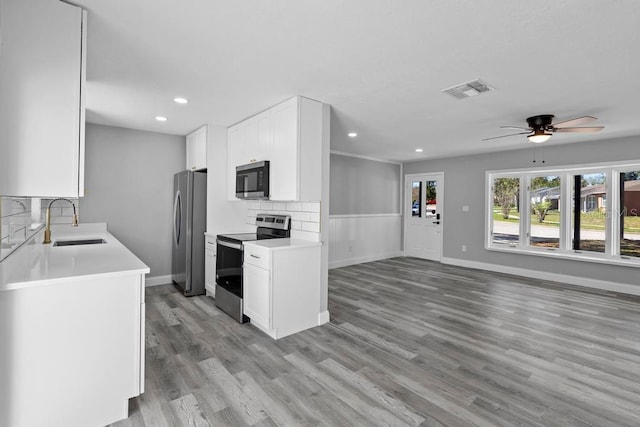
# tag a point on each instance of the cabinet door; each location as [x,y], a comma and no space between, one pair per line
[257,295]
[284,151]
[210,264]
[264,137]
[197,149]
[41,101]
[234,154]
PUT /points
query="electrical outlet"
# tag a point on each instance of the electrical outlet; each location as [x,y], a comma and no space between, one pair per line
[465,208]
[464,248]
[350,249]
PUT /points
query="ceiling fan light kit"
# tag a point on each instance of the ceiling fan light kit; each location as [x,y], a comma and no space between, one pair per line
[539,136]
[541,127]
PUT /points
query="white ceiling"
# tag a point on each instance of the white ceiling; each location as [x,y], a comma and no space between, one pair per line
[380,64]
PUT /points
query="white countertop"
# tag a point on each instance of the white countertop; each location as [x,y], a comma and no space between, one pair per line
[283,244]
[37,264]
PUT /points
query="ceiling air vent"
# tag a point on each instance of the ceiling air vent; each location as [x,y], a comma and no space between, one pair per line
[468,89]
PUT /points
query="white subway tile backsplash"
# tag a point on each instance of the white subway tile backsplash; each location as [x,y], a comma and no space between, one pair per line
[311,207]
[305,216]
[294,207]
[311,226]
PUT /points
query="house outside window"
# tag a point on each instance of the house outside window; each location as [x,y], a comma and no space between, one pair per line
[591,212]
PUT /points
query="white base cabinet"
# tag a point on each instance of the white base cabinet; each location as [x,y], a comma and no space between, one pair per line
[282,287]
[72,350]
[210,265]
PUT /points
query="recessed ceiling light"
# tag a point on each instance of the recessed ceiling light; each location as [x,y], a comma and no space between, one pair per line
[180,100]
[419,150]
[352,134]
[161,118]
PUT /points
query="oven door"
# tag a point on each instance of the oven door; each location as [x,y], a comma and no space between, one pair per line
[229,266]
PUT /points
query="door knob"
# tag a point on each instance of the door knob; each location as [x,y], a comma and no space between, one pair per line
[436,222]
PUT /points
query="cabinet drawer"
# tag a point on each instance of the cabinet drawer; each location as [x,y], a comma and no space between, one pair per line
[210,243]
[258,256]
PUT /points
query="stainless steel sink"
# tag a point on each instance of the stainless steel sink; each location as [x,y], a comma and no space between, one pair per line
[79,242]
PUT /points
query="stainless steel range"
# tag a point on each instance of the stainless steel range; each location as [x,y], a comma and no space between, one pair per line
[230,258]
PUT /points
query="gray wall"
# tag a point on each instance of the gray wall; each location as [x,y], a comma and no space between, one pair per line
[362,186]
[129,185]
[465,185]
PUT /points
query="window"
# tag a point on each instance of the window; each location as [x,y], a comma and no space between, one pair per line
[505,211]
[544,220]
[590,212]
[416,198]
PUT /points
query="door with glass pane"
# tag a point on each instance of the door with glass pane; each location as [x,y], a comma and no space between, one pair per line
[423,215]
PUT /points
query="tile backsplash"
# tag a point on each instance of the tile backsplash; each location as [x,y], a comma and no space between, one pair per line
[21,217]
[305,216]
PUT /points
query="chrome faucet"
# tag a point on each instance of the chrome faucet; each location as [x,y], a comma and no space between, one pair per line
[47,230]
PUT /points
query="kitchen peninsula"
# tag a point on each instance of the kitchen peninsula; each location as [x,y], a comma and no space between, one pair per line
[72,330]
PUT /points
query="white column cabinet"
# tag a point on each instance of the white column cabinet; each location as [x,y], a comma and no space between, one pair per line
[42,103]
[197,149]
[289,135]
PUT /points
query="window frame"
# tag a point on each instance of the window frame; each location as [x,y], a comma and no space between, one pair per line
[611,254]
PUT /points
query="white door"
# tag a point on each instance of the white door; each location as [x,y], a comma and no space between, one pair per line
[423,215]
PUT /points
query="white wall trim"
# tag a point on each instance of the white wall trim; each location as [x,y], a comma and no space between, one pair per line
[364,215]
[545,275]
[342,153]
[158,280]
[360,260]
[323,317]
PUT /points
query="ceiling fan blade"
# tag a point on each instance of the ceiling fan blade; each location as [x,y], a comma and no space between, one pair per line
[574,122]
[515,127]
[504,136]
[581,130]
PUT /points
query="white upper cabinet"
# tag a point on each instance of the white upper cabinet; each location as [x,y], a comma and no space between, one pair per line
[42,77]
[290,136]
[197,149]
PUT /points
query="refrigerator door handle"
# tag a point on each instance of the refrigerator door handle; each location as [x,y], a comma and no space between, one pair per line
[177,218]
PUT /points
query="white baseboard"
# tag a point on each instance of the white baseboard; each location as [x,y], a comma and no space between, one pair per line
[210,290]
[545,275]
[323,317]
[360,260]
[158,280]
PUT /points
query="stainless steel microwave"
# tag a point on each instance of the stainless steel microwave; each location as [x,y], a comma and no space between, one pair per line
[252,180]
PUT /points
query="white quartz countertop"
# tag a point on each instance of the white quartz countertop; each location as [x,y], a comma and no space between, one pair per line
[283,244]
[37,264]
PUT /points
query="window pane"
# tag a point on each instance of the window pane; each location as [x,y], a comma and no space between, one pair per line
[589,212]
[506,216]
[432,199]
[630,213]
[416,198]
[544,225]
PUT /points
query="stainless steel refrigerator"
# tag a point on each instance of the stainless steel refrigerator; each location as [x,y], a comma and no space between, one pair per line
[189,225]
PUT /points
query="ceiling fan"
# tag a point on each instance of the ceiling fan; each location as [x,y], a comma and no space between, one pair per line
[541,127]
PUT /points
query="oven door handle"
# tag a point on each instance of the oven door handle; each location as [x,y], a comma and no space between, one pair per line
[237,246]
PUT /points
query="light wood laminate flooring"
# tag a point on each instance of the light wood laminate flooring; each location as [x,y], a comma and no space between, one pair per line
[411,342]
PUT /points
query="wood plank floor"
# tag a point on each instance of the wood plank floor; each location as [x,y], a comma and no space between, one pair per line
[411,342]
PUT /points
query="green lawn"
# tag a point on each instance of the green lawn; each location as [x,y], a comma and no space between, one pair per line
[588,220]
